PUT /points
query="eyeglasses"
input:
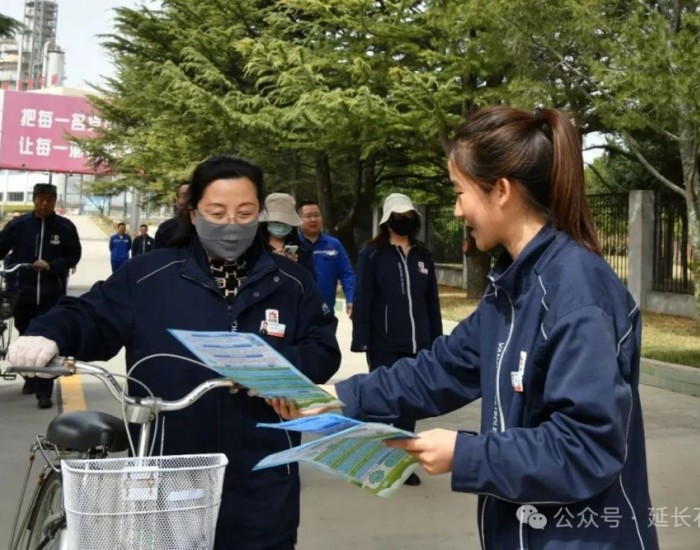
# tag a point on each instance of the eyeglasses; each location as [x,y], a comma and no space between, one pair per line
[223,218]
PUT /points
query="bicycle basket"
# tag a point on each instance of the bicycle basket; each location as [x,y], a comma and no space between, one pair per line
[8,299]
[152,503]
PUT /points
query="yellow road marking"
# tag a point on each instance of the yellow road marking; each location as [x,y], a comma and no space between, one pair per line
[72,395]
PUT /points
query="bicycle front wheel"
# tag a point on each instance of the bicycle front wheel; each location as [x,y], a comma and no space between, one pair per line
[48,519]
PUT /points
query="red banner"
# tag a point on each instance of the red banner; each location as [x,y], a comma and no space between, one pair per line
[35,130]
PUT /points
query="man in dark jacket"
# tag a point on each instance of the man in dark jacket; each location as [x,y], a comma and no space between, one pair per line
[50,243]
[143,243]
[166,230]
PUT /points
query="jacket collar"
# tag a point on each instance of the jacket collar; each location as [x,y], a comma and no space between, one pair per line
[304,239]
[47,218]
[516,276]
[196,263]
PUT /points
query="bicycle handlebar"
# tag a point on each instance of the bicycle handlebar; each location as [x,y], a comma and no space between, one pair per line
[14,268]
[68,366]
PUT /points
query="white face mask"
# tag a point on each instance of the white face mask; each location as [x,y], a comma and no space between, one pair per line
[227,241]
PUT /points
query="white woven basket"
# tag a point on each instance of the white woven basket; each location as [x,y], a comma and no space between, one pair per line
[153,503]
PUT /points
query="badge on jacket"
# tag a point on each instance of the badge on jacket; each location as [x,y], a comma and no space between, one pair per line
[271,325]
[516,377]
[55,239]
[422,269]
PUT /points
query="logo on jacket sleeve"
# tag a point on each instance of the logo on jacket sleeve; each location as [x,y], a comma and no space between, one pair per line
[55,239]
[422,269]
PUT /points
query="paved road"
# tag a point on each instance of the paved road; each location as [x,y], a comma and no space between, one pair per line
[338,516]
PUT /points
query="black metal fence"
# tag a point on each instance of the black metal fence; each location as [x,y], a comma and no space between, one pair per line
[444,234]
[611,216]
[673,255]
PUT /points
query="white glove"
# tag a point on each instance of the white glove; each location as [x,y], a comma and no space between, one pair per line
[32,351]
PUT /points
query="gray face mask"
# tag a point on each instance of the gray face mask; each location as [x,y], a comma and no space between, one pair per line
[226,241]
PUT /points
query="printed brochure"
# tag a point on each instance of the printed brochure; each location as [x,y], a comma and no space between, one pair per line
[351,449]
[254,364]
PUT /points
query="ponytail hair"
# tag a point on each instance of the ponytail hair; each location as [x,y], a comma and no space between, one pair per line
[540,152]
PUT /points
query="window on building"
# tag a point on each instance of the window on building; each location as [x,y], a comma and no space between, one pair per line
[15,196]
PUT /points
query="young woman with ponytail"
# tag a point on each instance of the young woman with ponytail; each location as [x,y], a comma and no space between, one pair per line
[552,351]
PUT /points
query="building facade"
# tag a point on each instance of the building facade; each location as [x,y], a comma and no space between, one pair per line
[33,60]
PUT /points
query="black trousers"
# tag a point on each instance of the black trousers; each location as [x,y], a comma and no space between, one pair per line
[376,359]
[24,313]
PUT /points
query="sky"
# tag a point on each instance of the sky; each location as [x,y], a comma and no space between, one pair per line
[78,26]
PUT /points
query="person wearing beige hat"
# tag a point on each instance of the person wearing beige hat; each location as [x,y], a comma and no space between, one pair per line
[282,221]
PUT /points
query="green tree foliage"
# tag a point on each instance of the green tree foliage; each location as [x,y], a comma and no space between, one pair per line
[336,100]
[619,170]
[9,27]
[636,63]
[348,100]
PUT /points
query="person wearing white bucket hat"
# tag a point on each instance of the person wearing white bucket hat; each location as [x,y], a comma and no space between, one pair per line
[282,221]
[397,203]
[397,307]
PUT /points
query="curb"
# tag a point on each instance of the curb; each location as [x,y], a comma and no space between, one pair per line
[669,376]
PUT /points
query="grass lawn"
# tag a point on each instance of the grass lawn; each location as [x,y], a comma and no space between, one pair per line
[664,337]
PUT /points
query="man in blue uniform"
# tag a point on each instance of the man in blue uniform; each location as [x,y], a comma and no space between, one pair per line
[119,247]
[331,262]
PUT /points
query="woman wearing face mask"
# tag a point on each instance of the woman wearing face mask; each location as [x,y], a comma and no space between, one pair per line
[396,311]
[220,276]
[282,222]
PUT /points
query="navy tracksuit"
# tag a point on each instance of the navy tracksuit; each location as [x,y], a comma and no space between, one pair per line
[553,352]
[30,238]
[174,288]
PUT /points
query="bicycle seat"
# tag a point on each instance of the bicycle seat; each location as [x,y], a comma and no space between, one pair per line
[85,430]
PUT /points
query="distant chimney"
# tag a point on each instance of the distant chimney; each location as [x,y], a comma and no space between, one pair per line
[54,66]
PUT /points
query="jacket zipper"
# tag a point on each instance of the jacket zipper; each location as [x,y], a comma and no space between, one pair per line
[38,273]
[410,301]
[481,523]
[289,439]
[501,420]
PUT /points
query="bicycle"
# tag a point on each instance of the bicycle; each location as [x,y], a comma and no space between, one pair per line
[77,448]
[8,300]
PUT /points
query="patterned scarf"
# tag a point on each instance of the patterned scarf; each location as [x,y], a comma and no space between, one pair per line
[229,276]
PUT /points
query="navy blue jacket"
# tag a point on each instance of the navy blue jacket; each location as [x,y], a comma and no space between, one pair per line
[53,239]
[174,288]
[567,439]
[141,245]
[165,232]
[396,307]
[304,252]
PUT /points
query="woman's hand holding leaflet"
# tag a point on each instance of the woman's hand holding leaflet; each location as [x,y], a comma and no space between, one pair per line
[434,449]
